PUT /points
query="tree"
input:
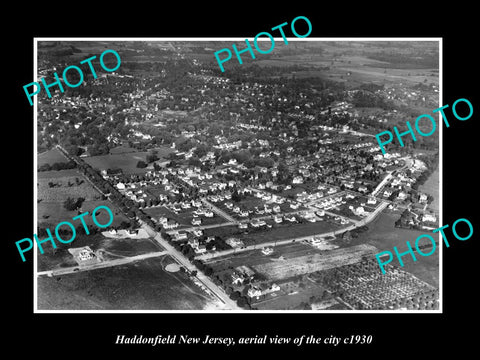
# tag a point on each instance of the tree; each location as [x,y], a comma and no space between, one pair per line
[141,164]
[71,204]
[151,157]
[235,295]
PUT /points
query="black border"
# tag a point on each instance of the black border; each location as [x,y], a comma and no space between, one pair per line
[405,334]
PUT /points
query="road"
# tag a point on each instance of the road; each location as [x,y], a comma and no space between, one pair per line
[65,153]
[182,260]
[237,222]
[359,223]
[218,211]
[101,265]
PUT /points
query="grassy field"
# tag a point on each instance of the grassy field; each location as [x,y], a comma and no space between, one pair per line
[123,159]
[57,174]
[126,161]
[50,157]
[143,285]
[66,183]
[51,213]
[432,187]
[287,231]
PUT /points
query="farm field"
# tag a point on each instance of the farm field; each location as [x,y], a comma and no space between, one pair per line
[143,285]
[382,234]
[315,262]
[256,257]
[363,287]
[54,187]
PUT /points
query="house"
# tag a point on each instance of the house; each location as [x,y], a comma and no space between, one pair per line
[267,250]
[291,219]
[237,279]
[371,201]
[278,219]
[272,288]
[179,236]
[320,213]
[429,218]
[362,189]
[243,226]
[85,254]
[197,232]
[258,223]
[170,224]
[297,180]
[402,195]
[121,186]
[201,249]
[193,242]
[196,221]
[423,198]
[254,292]
[387,193]
[234,242]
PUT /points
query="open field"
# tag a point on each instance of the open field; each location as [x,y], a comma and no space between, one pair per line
[58,185]
[143,285]
[126,161]
[50,157]
[51,213]
[255,257]
[309,263]
[57,174]
[432,187]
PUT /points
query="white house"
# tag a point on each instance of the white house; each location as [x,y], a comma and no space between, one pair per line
[429,218]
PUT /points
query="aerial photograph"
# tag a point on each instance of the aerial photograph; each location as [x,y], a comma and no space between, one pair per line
[260,188]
